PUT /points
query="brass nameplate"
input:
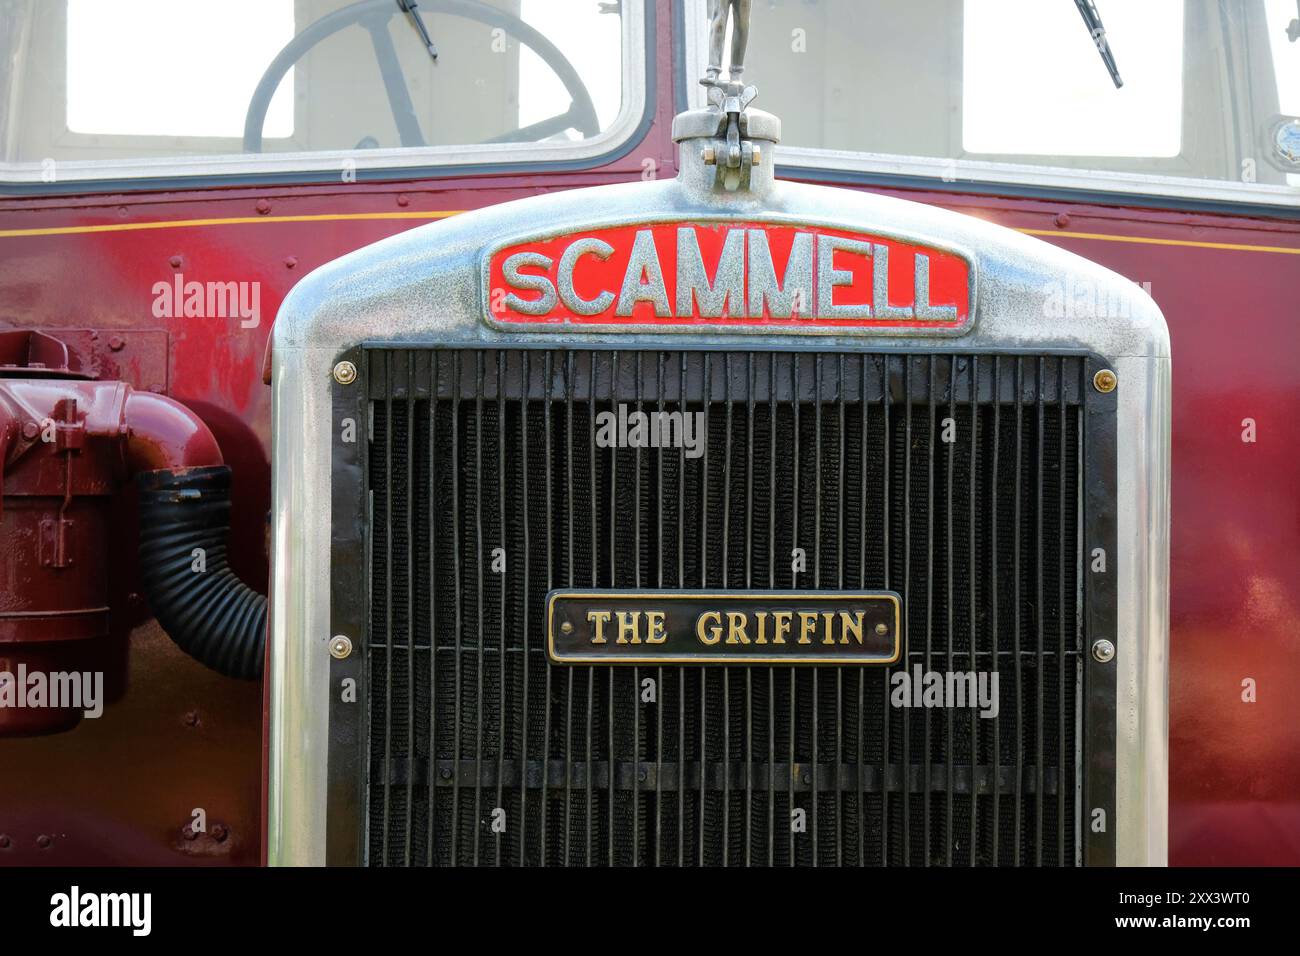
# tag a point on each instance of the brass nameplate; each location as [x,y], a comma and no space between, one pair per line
[723,627]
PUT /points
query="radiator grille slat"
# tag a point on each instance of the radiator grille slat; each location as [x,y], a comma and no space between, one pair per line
[489,487]
[993,579]
[1016,532]
[886,509]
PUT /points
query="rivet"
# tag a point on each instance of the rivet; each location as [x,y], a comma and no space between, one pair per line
[43,842]
[175,262]
[345,373]
[31,430]
[117,343]
[1105,380]
[263,207]
[340,647]
[1103,651]
[882,628]
[5,842]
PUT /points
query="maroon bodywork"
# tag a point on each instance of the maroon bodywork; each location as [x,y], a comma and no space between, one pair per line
[122,788]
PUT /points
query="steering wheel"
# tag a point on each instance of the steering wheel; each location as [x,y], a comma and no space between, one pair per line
[373,16]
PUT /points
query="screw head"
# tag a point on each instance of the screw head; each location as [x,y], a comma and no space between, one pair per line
[882,628]
[1105,380]
[566,628]
[341,647]
[345,373]
[1103,651]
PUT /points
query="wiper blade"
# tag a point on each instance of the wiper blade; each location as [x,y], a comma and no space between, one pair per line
[410,7]
[1098,33]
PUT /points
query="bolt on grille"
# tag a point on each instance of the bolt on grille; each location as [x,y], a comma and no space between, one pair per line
[481,752]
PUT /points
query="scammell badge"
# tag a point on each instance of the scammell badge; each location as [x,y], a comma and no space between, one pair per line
[741,275]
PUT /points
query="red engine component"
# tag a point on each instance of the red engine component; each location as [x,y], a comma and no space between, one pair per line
[66,446]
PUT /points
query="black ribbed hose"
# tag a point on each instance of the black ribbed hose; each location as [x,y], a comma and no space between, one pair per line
[211,615]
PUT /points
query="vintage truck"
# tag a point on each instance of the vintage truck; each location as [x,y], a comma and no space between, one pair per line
[455,434]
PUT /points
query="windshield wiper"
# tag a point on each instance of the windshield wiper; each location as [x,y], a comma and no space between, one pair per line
[410,7]
[1098,33]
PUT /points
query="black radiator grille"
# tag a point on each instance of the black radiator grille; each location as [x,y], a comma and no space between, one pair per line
[484,753]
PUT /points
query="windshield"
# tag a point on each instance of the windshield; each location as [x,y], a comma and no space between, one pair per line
[1210,87]
[107,81]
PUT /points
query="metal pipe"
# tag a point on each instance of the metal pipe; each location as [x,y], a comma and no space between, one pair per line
[161,433]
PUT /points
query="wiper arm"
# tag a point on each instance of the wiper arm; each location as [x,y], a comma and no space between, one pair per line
[1098,33]
[410,7]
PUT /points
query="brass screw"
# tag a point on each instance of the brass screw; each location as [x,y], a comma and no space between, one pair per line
[1105,380]
[340,647]
[566,628]
[882,628]
[345,373]
[1103,651]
